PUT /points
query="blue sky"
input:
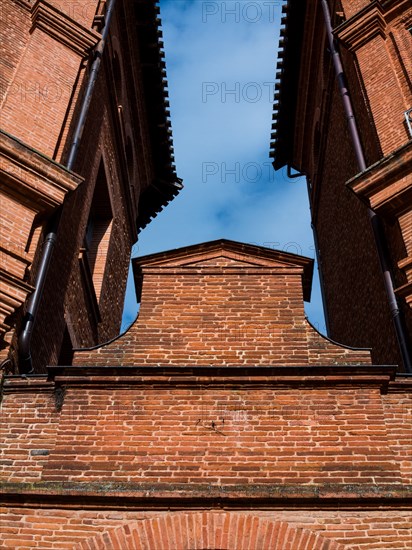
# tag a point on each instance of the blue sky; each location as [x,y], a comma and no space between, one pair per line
[221,60]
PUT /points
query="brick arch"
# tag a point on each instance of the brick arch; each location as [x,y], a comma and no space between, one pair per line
[208,531]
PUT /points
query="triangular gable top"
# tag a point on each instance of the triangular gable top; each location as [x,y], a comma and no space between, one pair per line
[225,253]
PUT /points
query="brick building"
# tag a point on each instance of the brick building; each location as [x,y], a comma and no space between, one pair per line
[86,157]
[312,136]
[221,420]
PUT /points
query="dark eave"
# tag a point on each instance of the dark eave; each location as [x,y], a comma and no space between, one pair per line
[155,198]
[165,185]
[287,83]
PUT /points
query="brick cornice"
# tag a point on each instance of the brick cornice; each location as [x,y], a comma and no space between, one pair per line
[11,279]
[223,270]
[132,495]
[247,253]
[405,292]
[34,384]
[211,376]
[386,186]
[63,28]
[24,4]
[406,264]
[362,27]
[34,179]
[397,9]
[240,258]
[13,291]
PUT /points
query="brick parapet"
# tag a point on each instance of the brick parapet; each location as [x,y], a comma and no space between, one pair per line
[222,303]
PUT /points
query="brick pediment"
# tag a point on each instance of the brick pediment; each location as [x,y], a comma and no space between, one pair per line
[224,253]
[227,256]
[224,258]
[221,303]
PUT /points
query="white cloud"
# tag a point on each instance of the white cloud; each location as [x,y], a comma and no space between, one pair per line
[222,139]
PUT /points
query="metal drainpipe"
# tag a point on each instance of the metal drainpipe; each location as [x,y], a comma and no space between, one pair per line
[376,228]
[316,243]
[25,359]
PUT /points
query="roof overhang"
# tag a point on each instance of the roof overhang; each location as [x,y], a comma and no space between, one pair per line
[287,83]
[165,184]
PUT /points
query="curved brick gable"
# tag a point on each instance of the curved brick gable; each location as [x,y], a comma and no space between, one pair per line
[222,303]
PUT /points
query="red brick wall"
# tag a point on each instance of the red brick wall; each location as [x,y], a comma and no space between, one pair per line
[217,308]
[51,528]
[352,7]
[398,418]
[66,293]
[27,417]
[357,306]
[211,431]
[216,436]
[380,41]
[278,438]
[14,23]
[83,12]
[39,93]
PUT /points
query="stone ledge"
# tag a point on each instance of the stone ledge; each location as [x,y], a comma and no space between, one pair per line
[34,179]
[63,28]
[385,186]
[362,27]
[381,376]
[216,377]
[175,495]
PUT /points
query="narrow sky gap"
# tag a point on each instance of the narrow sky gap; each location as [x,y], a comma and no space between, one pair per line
[221,60]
